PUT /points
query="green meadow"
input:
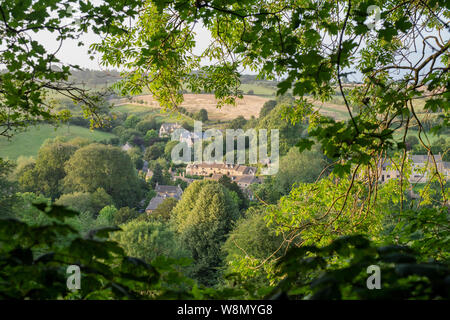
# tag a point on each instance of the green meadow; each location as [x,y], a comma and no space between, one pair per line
[27,143]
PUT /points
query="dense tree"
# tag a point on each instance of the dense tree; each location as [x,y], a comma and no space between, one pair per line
[106,216]
[26,212]
[136,156]
[202,115]
[233,186]
[158,176]
[203,218]
[8,189]
[154,151]
[148,240]
[125,214]
[268,192]
[131,121]
[151,137]
[267,107]
[99,166]
[238,123]
[146,125]
[168,149]
[252,247]
[298,167]
[46,175]
[130,135]
[289,133]
[85,201]
[411,141]
[164,210]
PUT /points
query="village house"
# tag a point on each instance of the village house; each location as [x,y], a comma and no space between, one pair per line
[127,147]
[209,169]
[421,167]
[244,176]
[167,128]
[149,175]
[244,182]
[163,192]
[418,174]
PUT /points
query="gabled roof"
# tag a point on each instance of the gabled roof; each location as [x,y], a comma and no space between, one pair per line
[168,126]
[126,147]
[225,166]
[248,179]
[155,202]
[167,189]
[423,158]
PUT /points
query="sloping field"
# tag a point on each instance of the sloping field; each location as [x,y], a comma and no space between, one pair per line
[28,143]
[246,107]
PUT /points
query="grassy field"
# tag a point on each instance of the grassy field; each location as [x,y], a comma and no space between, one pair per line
[260,90]
[27,143]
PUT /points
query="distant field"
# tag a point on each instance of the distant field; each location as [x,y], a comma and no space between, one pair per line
[261,90]
[336,111]
[246,107]
[250,105]
[27,143]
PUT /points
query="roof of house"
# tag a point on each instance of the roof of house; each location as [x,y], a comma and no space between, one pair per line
[155,202]
[422,158]
[126,147]
[215,177]
[168,189]
[236,167]
[169,126]
[247,179]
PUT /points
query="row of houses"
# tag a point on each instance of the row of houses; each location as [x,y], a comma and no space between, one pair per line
[422,165]
[244,176]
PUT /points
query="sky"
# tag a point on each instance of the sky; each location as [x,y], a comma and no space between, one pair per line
[71,53]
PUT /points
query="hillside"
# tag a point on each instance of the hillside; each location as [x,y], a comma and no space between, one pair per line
[28,143]
[248,106]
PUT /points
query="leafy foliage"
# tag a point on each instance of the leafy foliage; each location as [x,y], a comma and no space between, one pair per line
[33,263]
[99,166]
[402,275]
[203,219]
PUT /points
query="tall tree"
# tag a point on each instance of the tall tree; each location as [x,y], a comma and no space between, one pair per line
[99,166]
[233,186]
[298,167]
[203,218]
[47,175]
[148,240]
[8,189]
[267,107]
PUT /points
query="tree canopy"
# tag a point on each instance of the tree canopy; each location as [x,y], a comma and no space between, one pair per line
[99,166]
[203,218]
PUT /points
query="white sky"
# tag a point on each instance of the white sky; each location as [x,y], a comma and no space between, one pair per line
[70,53]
